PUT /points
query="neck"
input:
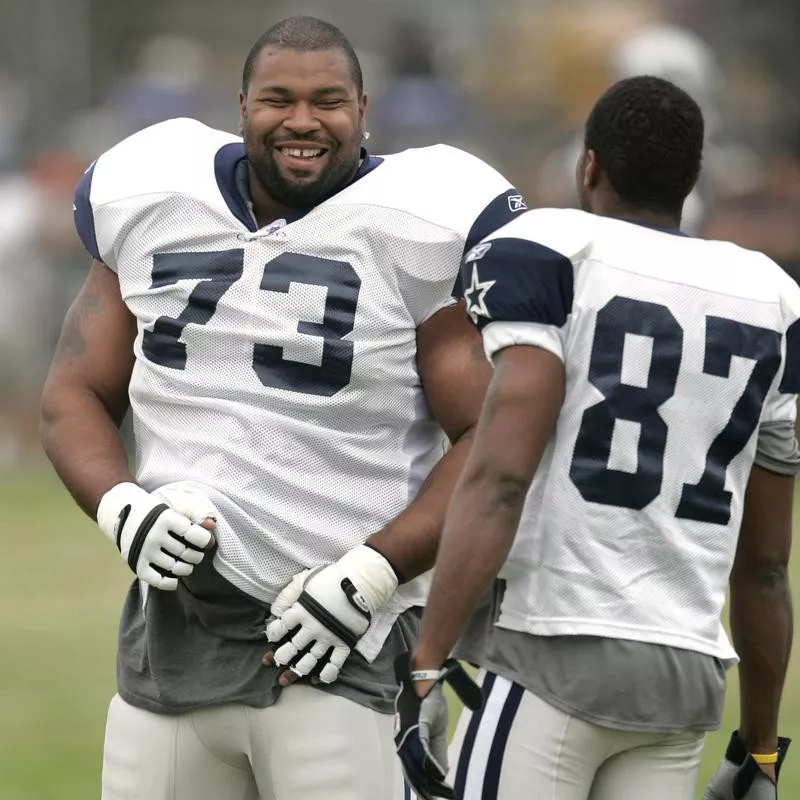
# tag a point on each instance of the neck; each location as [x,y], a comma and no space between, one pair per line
[653,219]
[265,209]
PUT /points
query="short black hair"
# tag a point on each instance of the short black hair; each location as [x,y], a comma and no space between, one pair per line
[304,34]
[648,135]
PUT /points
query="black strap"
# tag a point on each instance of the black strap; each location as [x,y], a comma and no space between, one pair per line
[121,520]
[334,625]
[469,693]
[145,527]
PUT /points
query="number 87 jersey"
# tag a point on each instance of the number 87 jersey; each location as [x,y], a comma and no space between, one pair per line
[677,352]
[276,366]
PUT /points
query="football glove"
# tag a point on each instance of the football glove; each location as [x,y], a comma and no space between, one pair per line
[157,533]
[738,777]
[322,613]
[420,724]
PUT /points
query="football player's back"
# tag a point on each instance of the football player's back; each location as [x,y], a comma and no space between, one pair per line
[636,449]
[630,526]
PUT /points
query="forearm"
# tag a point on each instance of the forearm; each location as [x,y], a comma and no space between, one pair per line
[410,541]
[761,625]
[478,535]
[82,441]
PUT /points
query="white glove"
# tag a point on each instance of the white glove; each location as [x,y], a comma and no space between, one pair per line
[333,607]
[157,532]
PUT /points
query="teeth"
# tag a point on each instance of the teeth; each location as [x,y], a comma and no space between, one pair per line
[298,153]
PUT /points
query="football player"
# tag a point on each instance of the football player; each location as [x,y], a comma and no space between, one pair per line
[276,312]
[636,450]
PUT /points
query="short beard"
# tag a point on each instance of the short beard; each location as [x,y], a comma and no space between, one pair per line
[302,195]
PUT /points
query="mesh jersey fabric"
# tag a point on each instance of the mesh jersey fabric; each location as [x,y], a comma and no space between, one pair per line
[675,350]
[276,368]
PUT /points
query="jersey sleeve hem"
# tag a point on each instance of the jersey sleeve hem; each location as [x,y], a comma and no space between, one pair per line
[499,335]
[777,449]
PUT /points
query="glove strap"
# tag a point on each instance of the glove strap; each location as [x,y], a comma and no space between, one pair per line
[465,688]
[327,619]
[467,691]
[143,530]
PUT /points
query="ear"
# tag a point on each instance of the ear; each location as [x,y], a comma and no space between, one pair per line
[592,172]
[242,111]
[362,112]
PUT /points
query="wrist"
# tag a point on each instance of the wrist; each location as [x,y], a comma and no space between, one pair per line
[371,574]
[397,573]
[426,658]
[112,502]
[759,744]
[425,671]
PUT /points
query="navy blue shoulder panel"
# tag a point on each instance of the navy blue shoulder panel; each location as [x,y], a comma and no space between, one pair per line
[225,163]
[368,163]
[516,280]
[84,215]
[501,210]
[790,382]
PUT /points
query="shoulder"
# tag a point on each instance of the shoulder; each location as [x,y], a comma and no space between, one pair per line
[179,156]
[445,170]
[756,276]
[770,281]
[567,232]
[444,162]
[162,158]
[443,185]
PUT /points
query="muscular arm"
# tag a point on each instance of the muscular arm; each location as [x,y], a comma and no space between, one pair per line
[86,393]
[761,605]
[455,375]
[516,423]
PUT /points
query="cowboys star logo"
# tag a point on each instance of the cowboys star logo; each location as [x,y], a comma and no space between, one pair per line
[475,296]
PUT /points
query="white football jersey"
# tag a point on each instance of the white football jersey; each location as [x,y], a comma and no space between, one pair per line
[675,351]
[276,368]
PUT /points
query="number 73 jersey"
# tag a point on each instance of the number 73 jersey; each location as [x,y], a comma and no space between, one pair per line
[676,352]
[276,367]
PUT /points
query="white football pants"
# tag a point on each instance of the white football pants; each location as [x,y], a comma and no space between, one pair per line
[520,748]
[309,746]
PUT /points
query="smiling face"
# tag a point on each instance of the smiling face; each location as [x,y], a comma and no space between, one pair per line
[302,120]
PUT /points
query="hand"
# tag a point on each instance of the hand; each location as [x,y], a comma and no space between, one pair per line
[162,535]
[739,777]
[420,724]
[322,613]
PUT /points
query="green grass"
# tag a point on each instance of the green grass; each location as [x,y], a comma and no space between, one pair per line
[61,588]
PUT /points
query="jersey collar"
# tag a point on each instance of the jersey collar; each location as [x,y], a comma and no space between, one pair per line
[672,231]
[230,170]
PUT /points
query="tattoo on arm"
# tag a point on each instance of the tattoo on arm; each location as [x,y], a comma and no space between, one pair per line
[72,343]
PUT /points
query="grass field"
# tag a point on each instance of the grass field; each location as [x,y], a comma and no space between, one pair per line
[61,587]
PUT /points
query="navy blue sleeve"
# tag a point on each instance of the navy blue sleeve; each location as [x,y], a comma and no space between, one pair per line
[83,214]
[790,382]
[500,211]
[516,280]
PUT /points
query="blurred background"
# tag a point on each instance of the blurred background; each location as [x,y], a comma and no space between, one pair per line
[510,80]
